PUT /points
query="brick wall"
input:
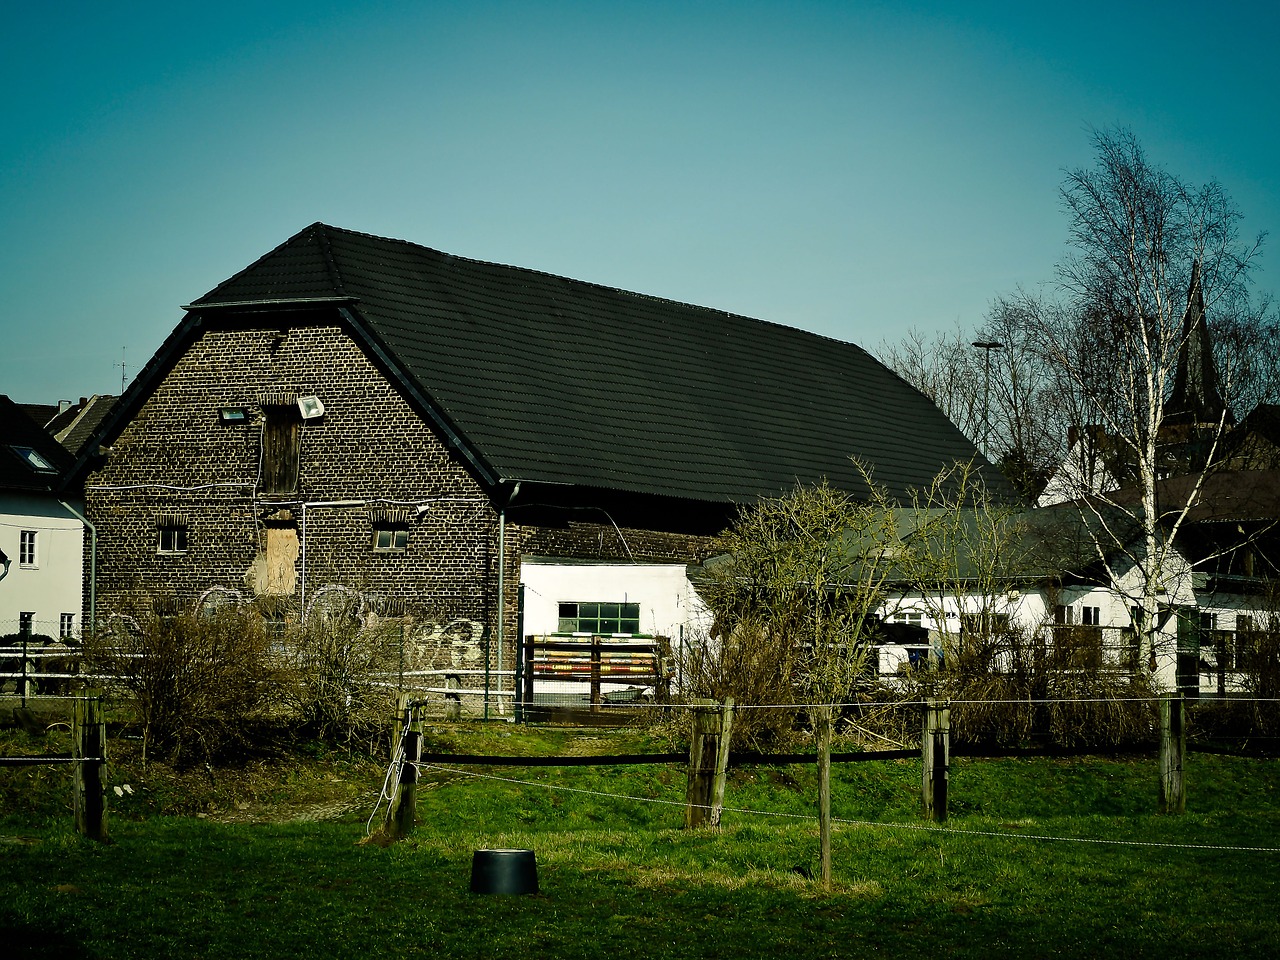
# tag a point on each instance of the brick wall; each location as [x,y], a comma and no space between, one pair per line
[369,456]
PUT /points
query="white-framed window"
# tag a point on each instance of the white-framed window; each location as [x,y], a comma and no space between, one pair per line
[26,621]
[27,548]
[171,537]
[67,625]
[390,538]
[1084,615]
[913,617]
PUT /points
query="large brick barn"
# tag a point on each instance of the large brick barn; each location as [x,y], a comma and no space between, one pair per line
[365,414]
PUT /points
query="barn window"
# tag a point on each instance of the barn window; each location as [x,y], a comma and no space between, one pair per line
[600,619]
[171,537]
[390,527]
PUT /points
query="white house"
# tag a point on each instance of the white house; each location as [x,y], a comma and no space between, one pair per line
[41,534]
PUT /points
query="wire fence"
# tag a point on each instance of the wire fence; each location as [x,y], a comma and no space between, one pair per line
[812,819]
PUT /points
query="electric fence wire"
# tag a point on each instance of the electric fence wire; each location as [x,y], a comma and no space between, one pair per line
[388,790]
[809,818]
[940,702]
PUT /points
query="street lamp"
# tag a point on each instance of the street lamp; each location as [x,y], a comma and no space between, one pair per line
[987,346]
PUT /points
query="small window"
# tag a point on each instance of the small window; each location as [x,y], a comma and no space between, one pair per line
[390,538]
[27,548]
[601,619]
[172,538]
[1091,616]
[26,621]
[67,625]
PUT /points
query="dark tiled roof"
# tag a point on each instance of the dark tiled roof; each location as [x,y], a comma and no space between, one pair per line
[18,434]
[41,413]
[76,432]
[565,382]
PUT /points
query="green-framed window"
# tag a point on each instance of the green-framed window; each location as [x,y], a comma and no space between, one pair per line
[599,618]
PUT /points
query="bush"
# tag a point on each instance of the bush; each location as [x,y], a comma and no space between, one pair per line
[1016,687]
[201,682]
[341,665]
[753,665]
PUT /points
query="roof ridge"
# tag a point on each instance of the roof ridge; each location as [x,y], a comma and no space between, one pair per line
[326,248]
[533,271]
[312,228]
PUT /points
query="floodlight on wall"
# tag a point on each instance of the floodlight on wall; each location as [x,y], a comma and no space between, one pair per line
[232,415]
[310,407]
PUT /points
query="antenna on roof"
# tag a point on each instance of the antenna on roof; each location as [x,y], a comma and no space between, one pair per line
[122,371]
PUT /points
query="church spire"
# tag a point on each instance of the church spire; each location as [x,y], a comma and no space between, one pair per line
[1195,400]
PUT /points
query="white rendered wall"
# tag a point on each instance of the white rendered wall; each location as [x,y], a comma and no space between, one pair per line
[669,606]
[54,585]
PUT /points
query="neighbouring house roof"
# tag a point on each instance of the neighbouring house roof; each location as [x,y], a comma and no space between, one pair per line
[30,459]
[41,413]
[563,382]
[74,431]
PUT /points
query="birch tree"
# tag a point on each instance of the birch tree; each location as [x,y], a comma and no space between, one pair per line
[1141,243]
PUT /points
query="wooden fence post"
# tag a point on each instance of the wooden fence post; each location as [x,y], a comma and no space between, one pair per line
[89,734]
[453,699]
[1173,751]
[595,674]
[824,793]
[403,808]
[936,754]
[708,763]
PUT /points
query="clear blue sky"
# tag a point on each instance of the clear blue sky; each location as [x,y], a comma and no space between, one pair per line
[855,169]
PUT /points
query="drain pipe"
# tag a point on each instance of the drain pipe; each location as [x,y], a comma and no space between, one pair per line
[93,568]
[502,581]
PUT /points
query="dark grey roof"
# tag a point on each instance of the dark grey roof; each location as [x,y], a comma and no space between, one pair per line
[30,459]
[41,413]
[75,432]
[564,382]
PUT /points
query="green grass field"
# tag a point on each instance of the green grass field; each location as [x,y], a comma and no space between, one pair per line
[1040,858]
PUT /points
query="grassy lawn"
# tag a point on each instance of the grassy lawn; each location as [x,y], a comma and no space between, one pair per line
[618,876]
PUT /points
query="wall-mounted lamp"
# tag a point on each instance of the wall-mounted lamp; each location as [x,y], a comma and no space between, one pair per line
[310,407]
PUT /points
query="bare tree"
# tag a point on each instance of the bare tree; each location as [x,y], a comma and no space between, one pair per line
[945,368]
[994,384]
[1146,251]
[798,592]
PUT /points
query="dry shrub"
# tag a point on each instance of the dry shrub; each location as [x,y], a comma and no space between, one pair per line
[341,670]
[753,665]
[201,682]
[1016,687]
